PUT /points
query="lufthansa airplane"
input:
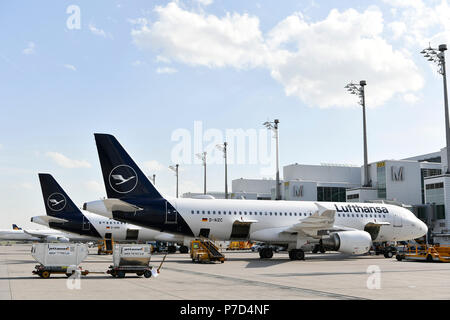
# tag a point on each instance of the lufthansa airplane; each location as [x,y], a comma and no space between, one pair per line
[49,235]
[62,214]
[345,227]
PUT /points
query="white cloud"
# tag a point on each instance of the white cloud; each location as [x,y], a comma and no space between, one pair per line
[152,166]
[70,67]
[410,98]
[63,161]
[206,40]
[30,48]
[137,63]
[205,2]
[162,59]
[312,60]
[166,70]
[424,21]
[99,32]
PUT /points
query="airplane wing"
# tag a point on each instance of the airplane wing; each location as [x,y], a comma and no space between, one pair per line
[45,220]
[319,224]
[119,205]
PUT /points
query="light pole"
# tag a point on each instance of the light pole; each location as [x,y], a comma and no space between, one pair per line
[439,58]
[152,178]
[202,156]
[359,91]
[175,169]
[274,127]
[223,148]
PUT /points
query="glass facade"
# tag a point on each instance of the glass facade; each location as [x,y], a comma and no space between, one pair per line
[427,173]
[435,194]
[333,194]
[381,180]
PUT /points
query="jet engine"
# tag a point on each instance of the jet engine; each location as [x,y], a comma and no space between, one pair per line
[59,239]
[352,242]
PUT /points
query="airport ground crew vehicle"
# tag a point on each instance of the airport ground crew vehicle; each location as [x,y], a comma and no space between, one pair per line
[131,258]
[58,258]
[429,253]
[240,245]
[205,251]
[105,246]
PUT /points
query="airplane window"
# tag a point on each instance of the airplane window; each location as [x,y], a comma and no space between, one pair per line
[235,213]
[366,215]
[310,213]
[240,213]
[270,213]
[384,216]
[250,213]
[203,211]
[218,212]
[192,211]
[339,214]
[260,213]
[245,212]
[209,212]
[290,213]
[371,216]
[357,215]
[265,213]
[353,215]
[348,215]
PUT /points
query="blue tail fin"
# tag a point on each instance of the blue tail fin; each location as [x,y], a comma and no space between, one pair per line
[121,175]
[57,202]
[15,227]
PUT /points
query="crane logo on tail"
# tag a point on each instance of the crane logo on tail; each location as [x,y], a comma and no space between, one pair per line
[56,201]
[123,179]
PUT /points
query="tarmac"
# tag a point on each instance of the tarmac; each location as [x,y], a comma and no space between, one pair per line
[243,276]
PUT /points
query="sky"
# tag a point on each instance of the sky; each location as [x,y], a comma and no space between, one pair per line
[152,73]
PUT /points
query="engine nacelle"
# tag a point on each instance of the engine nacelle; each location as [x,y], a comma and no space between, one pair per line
[59,239]
[352,242]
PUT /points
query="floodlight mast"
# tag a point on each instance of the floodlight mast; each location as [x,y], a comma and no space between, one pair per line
[202,156]
[175,169]
[358,90]
[438,58]
[274,127]
[223,148]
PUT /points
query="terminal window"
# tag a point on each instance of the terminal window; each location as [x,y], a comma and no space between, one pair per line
[334,194]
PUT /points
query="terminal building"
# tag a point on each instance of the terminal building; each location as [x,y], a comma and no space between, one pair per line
[418,183]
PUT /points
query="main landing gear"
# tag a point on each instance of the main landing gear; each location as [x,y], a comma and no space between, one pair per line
[297,254]
[266,253]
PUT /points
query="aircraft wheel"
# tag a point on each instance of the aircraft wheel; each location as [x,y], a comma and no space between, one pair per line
[184,249]
[399,257]
[388,254]
[171,249]
[429,258]
[266,253]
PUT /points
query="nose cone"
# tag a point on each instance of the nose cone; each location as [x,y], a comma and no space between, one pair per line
[423,228]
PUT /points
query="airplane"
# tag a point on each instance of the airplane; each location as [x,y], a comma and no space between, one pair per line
[63,214]
[345,227]
[47,235]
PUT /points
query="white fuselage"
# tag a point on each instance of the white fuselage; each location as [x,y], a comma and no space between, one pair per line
[272,221]
[119,230]
[270,218]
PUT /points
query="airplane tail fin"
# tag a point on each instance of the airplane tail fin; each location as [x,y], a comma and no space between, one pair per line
[57,202]
[121,175]
[15,227]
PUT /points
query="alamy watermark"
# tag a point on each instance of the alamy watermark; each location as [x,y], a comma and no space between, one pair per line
[73,22]
[245,146]
[374,279]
